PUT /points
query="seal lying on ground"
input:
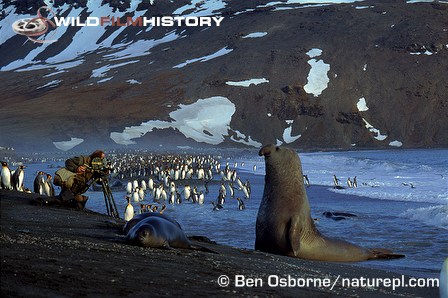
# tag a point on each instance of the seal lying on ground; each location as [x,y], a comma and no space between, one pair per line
[158,231]
[136,219]
[284,225]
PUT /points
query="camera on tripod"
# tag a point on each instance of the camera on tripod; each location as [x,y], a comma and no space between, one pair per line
[101,167]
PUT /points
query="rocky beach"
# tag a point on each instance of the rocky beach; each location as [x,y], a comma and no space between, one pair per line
[50,251]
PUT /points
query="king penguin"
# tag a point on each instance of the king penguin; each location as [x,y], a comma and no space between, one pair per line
[17,178]
[39,183]
[241,205]
[48,186]
[129,211]
[5,176]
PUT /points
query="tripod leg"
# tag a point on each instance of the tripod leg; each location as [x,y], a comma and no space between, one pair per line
[110,202]
[105,197]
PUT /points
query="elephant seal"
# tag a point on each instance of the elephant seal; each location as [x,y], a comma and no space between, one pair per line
[157,232]
[284,225]
[136,219]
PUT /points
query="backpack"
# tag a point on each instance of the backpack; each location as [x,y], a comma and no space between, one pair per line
[64,177]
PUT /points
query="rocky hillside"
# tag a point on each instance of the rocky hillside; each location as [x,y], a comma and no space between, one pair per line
[357,74]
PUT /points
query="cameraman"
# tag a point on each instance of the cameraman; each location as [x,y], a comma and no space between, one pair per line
[72,190]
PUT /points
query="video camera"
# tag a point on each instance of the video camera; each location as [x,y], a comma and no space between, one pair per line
[101,167]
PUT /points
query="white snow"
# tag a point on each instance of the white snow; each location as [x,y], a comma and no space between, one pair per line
[364,7]
[101,72]
[255,35]
[67,145]
[104,80]
[424,53]
[420,1]
[132,81]
[219,53]
[314,53]
[362,105]
[53,83]
[304,3]
[201,8]
[287,133]
[396,143]
[318,76]
[287,137]
[374,131]
[140,47]
[247,83]
[245,140]
[207,120]
[53,73]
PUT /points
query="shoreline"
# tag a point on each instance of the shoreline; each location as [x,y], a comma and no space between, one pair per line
[49,251]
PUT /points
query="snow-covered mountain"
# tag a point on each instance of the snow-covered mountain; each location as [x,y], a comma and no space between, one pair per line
[312,74]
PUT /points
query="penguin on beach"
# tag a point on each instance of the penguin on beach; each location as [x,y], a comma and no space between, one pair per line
[39,182]
[129,211]
[17,178]
[5,181]
[48,186]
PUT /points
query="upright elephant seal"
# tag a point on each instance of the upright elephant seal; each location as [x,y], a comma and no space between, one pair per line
[284,225]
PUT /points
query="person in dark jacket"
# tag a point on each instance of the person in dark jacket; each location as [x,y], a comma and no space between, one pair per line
[82,167]
[79,171]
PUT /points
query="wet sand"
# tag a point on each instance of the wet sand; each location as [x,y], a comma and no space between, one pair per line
[51,251]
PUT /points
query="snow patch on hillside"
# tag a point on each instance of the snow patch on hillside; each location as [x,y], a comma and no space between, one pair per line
[67,145]
[247,83]
[318,76]
[207,120]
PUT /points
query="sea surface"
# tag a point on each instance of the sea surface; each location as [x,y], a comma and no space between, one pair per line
[401,203]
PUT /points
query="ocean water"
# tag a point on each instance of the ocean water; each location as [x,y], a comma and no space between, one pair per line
[401,203]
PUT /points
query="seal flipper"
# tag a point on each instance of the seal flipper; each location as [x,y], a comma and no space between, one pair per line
[166,246]
[384,254]
[202,248]
[293,233]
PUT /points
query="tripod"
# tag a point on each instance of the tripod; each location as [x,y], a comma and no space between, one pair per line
[109,198]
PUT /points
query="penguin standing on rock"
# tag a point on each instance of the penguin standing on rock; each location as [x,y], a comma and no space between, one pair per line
[5,181]
[39,182]
[17,178]
[48,186]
